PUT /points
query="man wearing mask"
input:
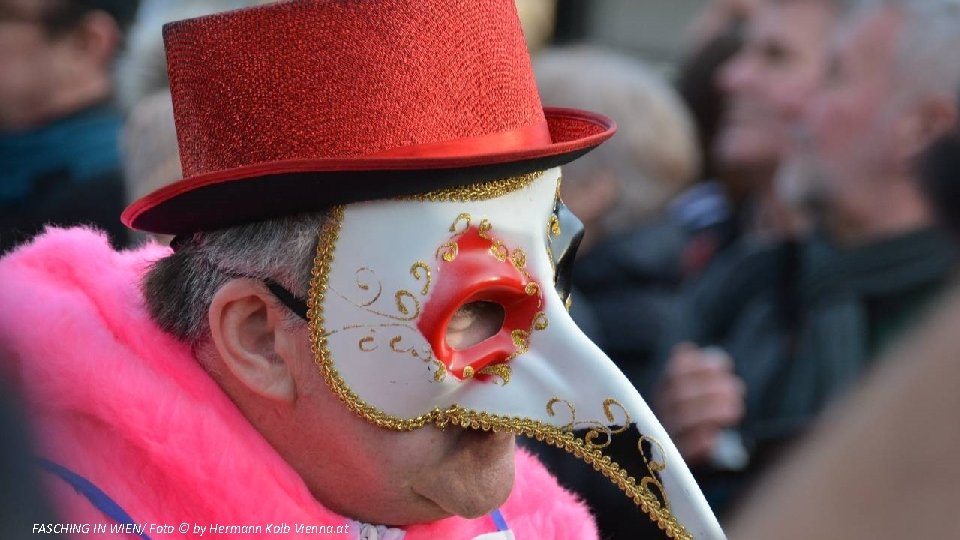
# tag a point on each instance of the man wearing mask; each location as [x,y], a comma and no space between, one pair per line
[364,302]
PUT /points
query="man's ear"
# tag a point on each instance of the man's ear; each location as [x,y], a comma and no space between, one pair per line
[930,118]
[246,329]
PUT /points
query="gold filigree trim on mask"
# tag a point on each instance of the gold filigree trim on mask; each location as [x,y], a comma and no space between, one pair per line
[553,228]
[501,370]
[368,344]
[407,305]
[408,310]
[365,286]
[652,482]
[594,428]
[481,191]
[415,271]
[532,288]
[441,373]
[371,327]
[555,225]
[519,259]
[464,218]
[404,309]
[499,251]
[426,354]
[588,451]
[448,251]
[521,340]
[483,230]
[540,321]
[365,341]
[395,344]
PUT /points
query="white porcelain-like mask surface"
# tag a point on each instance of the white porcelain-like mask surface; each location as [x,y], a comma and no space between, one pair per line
[390,275]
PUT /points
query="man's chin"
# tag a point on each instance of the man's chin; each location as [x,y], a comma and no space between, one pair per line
[476,478]
[746,148]
[472,505]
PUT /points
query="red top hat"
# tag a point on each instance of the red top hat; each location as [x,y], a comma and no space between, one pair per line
[295,106]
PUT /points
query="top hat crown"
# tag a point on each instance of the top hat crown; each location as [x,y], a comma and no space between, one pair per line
[294,106]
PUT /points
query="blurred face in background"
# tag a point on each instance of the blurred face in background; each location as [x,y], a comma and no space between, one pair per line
[847,141]
[46,72]
[28,55]
[770,80]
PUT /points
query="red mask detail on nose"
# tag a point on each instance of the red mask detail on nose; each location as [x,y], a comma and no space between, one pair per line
[477,274]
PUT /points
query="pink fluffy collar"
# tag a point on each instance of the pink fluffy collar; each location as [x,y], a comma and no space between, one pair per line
[125,405]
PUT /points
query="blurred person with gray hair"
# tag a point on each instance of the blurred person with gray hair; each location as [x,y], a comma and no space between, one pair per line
[766,85]
[143,67]
[655,156]
[151,158]
[806,324]
[619,192]
[860,449]
[149,150]
[58,123]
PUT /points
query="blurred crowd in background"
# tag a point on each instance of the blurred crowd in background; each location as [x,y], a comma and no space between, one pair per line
[774,213]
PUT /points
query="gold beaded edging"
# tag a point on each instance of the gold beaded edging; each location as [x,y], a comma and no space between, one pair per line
[456,415]
[480,191]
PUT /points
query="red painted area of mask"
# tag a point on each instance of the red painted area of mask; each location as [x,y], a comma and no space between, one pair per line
[477,275]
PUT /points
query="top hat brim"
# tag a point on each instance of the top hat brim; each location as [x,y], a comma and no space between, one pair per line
[268,190]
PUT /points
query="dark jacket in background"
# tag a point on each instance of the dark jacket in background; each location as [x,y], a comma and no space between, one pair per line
[65,173]
[803,322]
[630,282]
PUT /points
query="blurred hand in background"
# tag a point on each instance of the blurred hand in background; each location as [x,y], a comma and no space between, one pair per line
[699,397]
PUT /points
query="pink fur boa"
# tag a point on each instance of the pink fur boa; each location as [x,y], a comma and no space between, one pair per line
[125,405]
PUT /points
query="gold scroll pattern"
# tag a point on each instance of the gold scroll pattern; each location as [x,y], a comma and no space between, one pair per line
[406,309]
[553,227]
[585,448]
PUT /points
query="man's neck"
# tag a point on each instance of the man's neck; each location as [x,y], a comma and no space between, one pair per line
[894,209]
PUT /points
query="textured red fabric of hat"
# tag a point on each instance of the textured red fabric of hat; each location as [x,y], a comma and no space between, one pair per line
[298,105]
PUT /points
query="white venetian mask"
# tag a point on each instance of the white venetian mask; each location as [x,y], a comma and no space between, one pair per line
[389,277]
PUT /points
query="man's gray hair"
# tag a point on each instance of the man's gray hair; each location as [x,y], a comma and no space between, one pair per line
[179,288]
[926,51]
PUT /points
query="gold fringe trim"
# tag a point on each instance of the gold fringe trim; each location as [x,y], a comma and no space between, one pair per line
[481,191]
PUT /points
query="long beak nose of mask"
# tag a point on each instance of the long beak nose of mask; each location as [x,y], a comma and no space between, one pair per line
[580,401]
[595,397]
[388,277]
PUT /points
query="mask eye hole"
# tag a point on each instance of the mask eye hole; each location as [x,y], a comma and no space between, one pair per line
[473,323]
